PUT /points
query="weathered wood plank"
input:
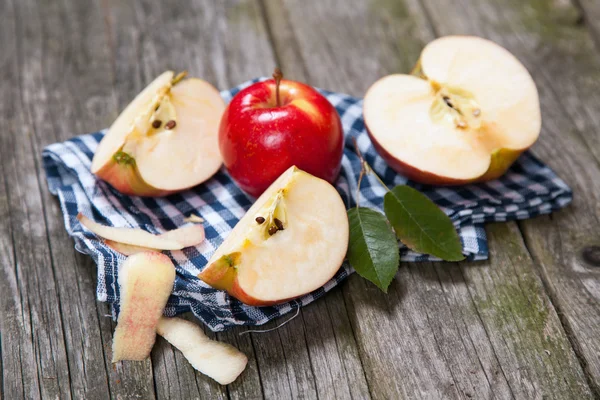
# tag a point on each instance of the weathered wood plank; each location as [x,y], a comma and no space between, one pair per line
[547,37]
[34,347]
[415,324]
[57,110]
[590,15]
[106,66]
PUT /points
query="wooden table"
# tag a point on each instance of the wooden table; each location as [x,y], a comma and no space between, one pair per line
[525,324]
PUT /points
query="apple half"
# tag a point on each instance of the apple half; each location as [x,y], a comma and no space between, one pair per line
[166,139]
[290,242]
[465,115]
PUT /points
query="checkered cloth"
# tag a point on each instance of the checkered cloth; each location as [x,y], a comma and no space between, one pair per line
[530,188]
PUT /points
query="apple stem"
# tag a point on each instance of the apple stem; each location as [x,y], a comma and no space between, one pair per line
[277,75]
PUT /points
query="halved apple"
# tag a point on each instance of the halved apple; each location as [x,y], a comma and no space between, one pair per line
[466,116]
[165,140]
[291,241]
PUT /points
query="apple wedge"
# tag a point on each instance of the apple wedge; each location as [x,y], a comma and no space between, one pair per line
[465,116]
[290,242]
[132,240]
[220,361]
[166,139]
[145,283]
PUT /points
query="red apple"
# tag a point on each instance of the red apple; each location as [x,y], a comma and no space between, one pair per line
[272,125]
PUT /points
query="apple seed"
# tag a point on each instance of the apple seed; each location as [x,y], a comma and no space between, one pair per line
[171,124]
[259,220]
[278,223]
[273,230]
[447,101]
[156,123]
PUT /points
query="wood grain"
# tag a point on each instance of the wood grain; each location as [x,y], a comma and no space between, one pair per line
[447,365]
[473,330]
[559,52]
[108,52]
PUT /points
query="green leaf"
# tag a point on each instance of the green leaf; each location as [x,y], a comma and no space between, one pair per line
[421,225]
[373,249]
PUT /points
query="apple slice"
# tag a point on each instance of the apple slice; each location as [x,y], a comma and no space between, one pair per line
[291,241]
[145,283]
[220,361]
[469,113]
[165,140]
[132,240]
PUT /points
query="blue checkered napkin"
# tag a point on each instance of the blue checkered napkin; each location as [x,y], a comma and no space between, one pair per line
[529,189]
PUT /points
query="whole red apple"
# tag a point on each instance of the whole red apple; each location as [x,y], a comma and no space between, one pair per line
[272,125]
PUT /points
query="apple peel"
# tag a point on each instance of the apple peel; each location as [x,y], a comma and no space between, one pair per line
[189,235]
[126,249]
[145,283]
[220,361]
[133,240]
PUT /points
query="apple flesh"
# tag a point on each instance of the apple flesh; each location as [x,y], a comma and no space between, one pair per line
[145,283]
[261,137]
[466,116]
[166,139]
[290,242]
[220,361]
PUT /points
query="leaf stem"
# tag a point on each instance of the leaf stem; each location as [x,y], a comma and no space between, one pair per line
[365,168]
[360,177]
[377,176]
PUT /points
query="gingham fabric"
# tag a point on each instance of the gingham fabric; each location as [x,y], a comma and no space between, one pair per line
[529,189]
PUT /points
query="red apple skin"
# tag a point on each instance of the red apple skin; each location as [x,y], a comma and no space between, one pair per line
[260,140]
[127,180]
[501,161]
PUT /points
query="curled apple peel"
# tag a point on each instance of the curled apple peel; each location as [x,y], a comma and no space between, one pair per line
[465,115]
[145,283]
[220,361]
[132,240]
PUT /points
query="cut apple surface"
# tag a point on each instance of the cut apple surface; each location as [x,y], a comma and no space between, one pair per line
[165,140]
[291,241]
[220,361]
[466,116]
[133,240]
[145,283]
